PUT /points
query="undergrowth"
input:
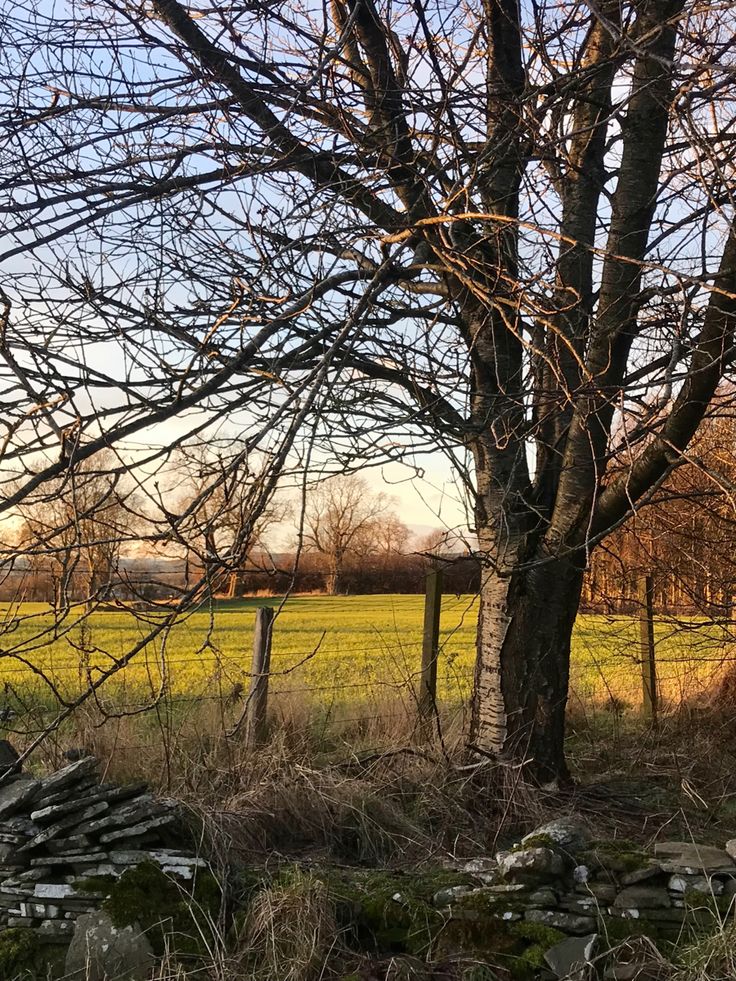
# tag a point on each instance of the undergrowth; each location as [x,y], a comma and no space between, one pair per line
[378,796]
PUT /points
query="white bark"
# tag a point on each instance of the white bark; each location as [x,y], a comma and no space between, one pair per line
[491,718]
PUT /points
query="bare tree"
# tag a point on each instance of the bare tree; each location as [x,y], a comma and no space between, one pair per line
[375,231]
[341,517]
[435,543]
[220,525]
[390,535]
[685,538]
[79,526]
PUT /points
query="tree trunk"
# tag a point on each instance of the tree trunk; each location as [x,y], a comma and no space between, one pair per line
[522,666]
[332,581]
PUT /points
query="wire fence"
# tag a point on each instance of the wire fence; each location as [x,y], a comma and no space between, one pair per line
[345,662]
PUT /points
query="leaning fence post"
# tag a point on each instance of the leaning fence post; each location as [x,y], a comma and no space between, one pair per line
[430,647]
[648,663]
[258,695]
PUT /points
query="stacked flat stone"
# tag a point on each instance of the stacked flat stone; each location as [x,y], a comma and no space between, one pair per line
[558,877]
[58,831]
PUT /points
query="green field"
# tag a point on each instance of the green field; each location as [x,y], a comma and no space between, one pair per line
[328,650]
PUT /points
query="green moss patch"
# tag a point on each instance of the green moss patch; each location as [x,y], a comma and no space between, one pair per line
[538,933]
[390,913]
[619,856]
[23,958]
[526,965]
[492,904]
[537,841]
[382,913]
[176,915]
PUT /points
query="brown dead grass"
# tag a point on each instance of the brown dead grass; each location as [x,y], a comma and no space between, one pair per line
[367,788]
[371,792]
[289,932]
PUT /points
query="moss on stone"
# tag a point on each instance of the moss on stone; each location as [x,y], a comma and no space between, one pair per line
[493,903]
[391,913]
[95,884]
[426,884]
[617,855]
[24,959]
[377,922]
[528,963]
[537,933]
[175,915]
[536,841]
[421,886]
[620,928]
[486,938]
[396,915]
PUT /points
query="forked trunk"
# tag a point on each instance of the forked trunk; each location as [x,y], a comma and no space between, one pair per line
[522,666]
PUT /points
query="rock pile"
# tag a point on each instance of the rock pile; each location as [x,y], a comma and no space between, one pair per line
[582,890]
[99,873]
[59,831]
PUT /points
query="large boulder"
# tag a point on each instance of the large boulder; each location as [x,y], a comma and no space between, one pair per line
[570,834]
[99,951]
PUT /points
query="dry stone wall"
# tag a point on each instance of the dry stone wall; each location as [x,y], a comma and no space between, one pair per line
[597,893]
[62,832]
[557,901]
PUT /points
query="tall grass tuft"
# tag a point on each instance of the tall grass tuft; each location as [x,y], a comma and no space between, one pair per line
[289,932]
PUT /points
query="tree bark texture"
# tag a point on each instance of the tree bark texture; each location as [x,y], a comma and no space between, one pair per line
[522,668]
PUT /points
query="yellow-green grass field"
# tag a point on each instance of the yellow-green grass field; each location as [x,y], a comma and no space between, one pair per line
[329,651]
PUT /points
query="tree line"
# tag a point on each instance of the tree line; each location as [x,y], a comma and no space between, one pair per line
[342,538]
[89,543]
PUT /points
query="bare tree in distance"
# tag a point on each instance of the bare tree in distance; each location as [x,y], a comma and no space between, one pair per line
[390,535]
[220,525]
[441,543]
[341,517]
[370,231]
[686,538]
[78,526]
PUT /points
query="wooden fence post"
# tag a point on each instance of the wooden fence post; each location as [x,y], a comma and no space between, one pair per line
[648,663]
[258,695]
[430,648]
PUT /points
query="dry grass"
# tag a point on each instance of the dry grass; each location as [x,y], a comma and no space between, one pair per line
[375,795]
[373,792]
[289,933]
[399,809]
[370,792]
[711,959]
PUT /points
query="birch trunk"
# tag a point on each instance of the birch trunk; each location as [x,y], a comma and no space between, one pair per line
[522,666]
